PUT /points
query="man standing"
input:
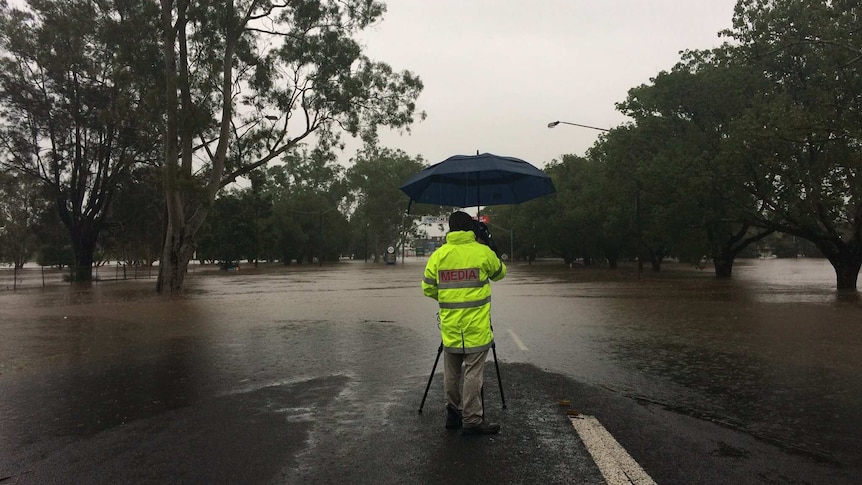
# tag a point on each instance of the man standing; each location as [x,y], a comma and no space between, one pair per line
[458,276]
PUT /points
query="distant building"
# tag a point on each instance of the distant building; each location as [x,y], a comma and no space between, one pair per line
[432,235]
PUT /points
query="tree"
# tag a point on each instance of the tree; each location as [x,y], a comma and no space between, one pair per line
[307,196]
[76,113]
[136,219]
[54,246]
[691,110]
[800,140]
[532,224]
[575,216]
[381,207]
[21,204]
[641,200]
[231,66]
[260,206]
[228,235]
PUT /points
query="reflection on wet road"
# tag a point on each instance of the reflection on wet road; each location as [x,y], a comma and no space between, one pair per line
[774,351]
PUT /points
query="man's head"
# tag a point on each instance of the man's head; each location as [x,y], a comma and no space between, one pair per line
[460,221]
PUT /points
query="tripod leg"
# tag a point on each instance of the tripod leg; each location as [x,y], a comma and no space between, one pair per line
[439,351]
[499,379]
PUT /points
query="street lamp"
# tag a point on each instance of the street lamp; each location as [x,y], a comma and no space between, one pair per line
[555,123]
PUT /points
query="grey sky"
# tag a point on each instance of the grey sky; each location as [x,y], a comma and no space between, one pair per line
[497,71]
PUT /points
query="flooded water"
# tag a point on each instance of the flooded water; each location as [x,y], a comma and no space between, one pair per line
[775,351]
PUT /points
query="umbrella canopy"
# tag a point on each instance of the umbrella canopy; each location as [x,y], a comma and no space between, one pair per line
[476,180]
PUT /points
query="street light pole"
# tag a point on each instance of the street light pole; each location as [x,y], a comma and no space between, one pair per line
[555,123]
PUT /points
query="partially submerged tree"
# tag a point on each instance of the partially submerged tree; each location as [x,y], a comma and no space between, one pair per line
[262,76]
[76,112]
[21,205]
[801,141]
[575,214]
[691,111]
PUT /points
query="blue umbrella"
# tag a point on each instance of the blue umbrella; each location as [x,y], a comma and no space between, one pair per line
[478,180]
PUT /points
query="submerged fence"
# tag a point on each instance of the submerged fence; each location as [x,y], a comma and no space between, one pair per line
[42,276]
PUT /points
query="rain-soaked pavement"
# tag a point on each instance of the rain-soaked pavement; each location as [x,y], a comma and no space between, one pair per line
[315,375]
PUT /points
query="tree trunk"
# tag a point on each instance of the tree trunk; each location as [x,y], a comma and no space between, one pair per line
[847,275]
[846,259]
[729,247]
[847,266]
[84,248]
[170,278]
[723,265]
[655,259]
[179,250]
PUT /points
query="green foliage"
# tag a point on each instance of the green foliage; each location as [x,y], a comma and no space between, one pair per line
[308,195]
[291,212]
[691,195]
[800,138]
[76,106]
[136,220]
[230,230]
[575,227]
[21,205]
[380,212]
[252,81]
[55,249]
[750,138]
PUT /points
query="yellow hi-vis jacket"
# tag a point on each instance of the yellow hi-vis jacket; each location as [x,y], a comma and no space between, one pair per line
[457,276]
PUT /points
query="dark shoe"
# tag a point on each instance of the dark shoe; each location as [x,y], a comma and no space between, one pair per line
[453,418]
[482,428]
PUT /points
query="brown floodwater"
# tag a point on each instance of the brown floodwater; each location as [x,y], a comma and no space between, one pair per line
[775,351]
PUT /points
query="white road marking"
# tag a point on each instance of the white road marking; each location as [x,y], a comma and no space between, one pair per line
[616,465]
[517,340]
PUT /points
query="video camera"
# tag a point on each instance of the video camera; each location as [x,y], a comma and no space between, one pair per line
[483,235]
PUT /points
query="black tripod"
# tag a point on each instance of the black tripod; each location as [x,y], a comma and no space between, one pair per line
[496,365]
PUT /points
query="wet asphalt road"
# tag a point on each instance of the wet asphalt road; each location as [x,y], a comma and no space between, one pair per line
[315,376]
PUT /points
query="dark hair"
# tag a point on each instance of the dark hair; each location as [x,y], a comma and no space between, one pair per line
[460,221]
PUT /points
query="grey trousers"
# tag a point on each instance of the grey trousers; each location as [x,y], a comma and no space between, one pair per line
[463,375]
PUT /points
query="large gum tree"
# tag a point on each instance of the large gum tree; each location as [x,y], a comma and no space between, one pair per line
[247,80]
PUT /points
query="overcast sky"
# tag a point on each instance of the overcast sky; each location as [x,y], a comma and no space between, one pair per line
[496,72]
